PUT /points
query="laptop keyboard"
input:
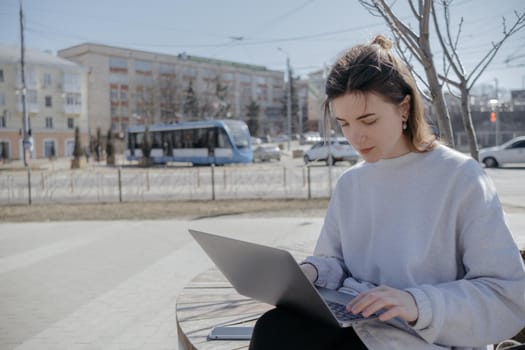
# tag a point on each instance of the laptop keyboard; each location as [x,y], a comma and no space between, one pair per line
[340,312]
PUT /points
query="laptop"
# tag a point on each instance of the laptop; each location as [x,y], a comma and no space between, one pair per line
[273,276]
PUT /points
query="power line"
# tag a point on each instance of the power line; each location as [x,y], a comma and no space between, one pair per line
[283,16]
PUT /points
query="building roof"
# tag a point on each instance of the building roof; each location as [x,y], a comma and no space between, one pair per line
[94,47]
[11,54]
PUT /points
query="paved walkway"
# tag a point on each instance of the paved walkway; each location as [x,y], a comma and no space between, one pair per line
[112,285]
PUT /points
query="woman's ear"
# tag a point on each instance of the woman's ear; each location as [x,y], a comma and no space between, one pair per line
[404,106]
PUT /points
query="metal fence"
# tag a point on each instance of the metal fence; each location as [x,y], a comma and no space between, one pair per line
[176,183]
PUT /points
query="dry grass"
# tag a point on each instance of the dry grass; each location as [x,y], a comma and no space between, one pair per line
[160,210]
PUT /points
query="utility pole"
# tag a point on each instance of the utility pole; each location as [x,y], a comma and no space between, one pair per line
[498,115]
[289,98]
[289,101]
[300,114]
[25,124]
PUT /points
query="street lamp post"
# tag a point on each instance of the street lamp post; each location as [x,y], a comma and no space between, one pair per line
[26,146]
[289,98]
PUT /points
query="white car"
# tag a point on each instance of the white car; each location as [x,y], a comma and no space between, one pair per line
[266,152]
[512,151]
[340,150]
[309,138]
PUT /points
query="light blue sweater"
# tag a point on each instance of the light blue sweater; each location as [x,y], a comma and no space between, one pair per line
[432,224]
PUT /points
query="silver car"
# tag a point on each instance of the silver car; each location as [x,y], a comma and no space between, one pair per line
[266,152]
[512,151]
[340,150]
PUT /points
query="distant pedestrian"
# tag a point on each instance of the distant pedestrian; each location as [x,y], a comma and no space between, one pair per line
[87,154]
[97,152]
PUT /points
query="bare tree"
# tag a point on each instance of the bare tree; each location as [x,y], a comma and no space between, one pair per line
[190,105]
[464,80]
[221,104]
[146,103]
[419,46]
[253,118]
[168,97]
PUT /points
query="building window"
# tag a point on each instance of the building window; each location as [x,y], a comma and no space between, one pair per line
[245,78]
[49,149]
[189,73]
[70,123]
[49,122]
[30,78]
[5,152]
[32,97]
[115,62]
[49,101]
[47,80]
[1,75]
[144,80]
[72,82]
[73,99]
[260,80]
[143,66]
[118,78]
[165,68]
[70,146]
[3,121]
[2,99]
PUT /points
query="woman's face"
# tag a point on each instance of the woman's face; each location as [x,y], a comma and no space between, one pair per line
[372,125]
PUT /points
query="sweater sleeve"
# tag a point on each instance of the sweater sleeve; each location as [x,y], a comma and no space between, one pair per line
[487,303]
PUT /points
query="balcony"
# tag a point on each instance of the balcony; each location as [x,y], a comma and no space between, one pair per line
[72,109]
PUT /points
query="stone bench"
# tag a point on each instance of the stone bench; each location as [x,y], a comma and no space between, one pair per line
[209,300]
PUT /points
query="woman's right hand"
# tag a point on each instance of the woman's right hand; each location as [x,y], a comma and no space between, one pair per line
[310,271]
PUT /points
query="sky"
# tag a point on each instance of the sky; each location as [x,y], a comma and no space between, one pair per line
[310,33]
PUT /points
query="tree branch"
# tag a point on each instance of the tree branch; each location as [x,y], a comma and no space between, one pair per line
[453,44]
[485,61]
[415,12]
[407,60]
[444,46]
[381,9]
[449,81]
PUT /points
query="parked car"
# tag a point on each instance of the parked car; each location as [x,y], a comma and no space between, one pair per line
[255,140]
[512,151]
[266,139]
[266,152]
[340,150]
[280,138]
[310,138]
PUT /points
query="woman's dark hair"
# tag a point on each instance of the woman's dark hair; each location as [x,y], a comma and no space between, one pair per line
[373,68]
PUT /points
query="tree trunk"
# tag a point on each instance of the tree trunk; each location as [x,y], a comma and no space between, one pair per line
[438,100]
[467,122]
[443,118]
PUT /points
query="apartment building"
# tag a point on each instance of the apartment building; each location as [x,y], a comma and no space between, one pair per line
[129,87]
[316,97]
[55,103]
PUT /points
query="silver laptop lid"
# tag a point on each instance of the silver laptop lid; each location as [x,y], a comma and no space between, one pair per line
[267,274]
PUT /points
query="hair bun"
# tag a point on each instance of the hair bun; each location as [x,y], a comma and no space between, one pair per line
[383,42]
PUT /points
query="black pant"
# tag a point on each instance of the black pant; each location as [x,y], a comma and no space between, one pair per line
[282,329]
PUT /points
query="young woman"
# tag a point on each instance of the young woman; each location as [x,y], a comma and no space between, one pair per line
[416,229]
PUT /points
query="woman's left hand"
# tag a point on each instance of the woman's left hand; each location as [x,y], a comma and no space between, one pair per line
[396,302]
